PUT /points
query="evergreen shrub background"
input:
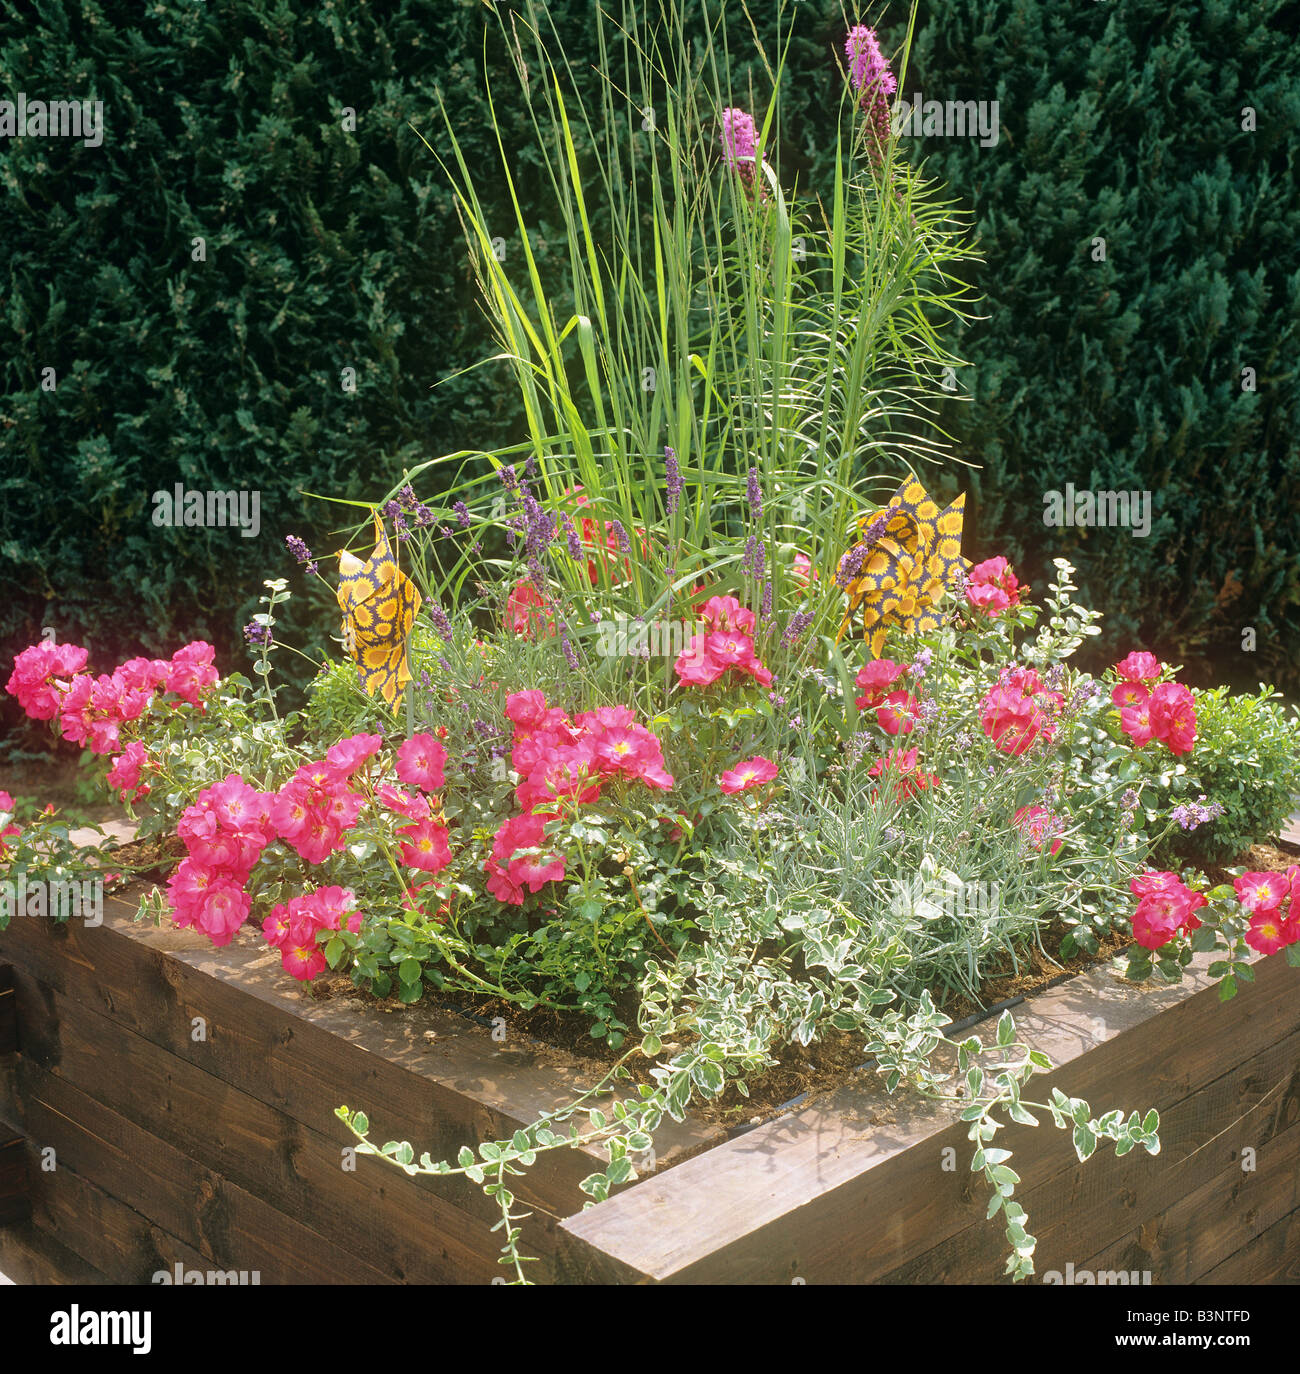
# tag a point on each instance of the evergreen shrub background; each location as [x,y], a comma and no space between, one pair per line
[1124,121]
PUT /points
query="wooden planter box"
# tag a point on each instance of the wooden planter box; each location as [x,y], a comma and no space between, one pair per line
[175,1107]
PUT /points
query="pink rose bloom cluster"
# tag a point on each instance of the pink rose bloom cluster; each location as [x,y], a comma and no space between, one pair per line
[1273,901]
[230,824]
[521,860]
[224,831]
[803,574]
[48,683]
[528,613]
[41,674]
[1019,710]
[991,587]
[126,771]
[293,926]
[1166,907]
[750,773]
[426,842]
[896,711]
[1270,900]
[1166,713]
[727,646]
[315,809]
[563,763]
[900,767]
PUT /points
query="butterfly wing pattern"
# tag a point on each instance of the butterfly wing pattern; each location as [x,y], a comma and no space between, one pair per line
[908,568]
[379,604]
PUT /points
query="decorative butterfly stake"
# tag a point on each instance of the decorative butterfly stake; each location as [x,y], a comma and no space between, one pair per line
[379,604]
[907,567]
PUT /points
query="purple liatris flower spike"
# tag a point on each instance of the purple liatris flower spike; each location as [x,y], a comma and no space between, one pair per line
[867,65]
[765,610]
[754,495]
[1195,814]
[624,543]
[1083,693]
[740,148]
[874,83]
[539,525]
[739,137]
[462,514]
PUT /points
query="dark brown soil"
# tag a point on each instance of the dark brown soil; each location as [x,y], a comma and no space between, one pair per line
[1261,858]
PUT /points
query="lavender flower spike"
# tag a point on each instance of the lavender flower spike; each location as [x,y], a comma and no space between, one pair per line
[672,481]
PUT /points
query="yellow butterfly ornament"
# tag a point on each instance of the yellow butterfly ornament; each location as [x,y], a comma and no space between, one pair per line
[379,604]
[906,570]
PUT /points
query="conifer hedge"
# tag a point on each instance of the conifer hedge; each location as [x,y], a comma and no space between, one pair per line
[1168,128]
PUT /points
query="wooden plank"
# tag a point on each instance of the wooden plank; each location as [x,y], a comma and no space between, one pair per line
[15,1194]
[112,1238]
[8,1011]
[1080,1211]
[1291,830]
[846,1190]
[1212,1222]
[396,1224]
[29,1255]
[225,1226]
[424,1075]
[1273,1256]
